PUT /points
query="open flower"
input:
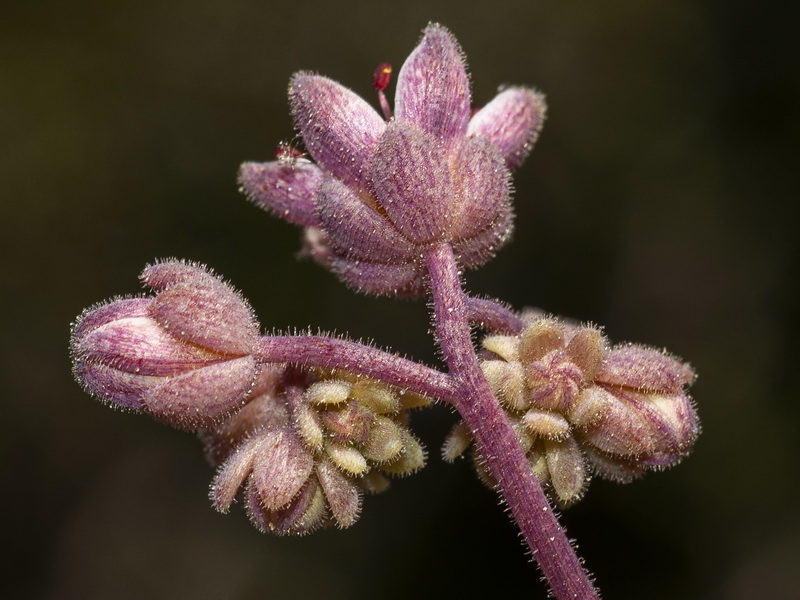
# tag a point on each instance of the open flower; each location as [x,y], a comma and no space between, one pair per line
[307,445]
[379,192]
[183,356]
[580,407]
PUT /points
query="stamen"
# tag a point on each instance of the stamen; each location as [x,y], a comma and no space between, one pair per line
[382,76]
[380,81]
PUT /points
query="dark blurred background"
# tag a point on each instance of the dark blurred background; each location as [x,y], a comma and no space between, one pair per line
[658,202]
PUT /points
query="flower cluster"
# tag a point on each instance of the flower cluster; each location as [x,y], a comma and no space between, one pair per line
[580,407]
[306,446]
[302,426]
[381,192]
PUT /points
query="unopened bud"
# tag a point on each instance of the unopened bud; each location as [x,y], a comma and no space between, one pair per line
[183,356]
[347,458]
[328,392]
[456,442]
[385,440]
[411,459]
[579,406]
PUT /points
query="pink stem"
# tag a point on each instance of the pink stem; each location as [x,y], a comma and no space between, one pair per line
[493,315]
[319,351]
[495,438]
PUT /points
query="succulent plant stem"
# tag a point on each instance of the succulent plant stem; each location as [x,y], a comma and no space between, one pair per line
[494,436]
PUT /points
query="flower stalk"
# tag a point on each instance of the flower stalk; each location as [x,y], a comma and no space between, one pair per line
[495,437]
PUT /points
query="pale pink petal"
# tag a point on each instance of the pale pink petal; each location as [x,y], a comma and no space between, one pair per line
[281,468]
[339,128]
[139,345]
[201,398]
[613,468]
[341,493]
[208,314]
[233,473]
[511,122]
[106,313]
[623,429]
[303,514]
[644,368]
[162,274]
[481,188]
[287,191]
[673,423]
[376,278]
[357,230]
[411,180]
[266,411]
[433,87]
[124,390]
[474,251]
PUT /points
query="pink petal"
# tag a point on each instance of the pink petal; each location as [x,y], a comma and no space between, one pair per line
[356,229]
[161,275]
[287,191]
[202,397]
[481,187]
[233,473]
[673,422]
[644,368]
[376,278]
[266,411]
[124,390]
[112,311]
[511,122]
[474,251]
[340,129]
[613,468]
[281,468]
[411,180]
[342,494]
[303,514]
[208,314]
[433,87]
[139,345]
[623,430]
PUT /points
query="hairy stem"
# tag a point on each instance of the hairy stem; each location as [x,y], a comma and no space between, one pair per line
[332,353]
[495,438]
[493,315]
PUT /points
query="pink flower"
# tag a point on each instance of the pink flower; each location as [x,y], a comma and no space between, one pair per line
[183,356]
[380,192]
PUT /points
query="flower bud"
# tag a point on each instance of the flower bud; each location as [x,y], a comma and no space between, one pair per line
[579,407]
[184,356]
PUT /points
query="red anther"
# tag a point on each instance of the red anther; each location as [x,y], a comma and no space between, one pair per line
[382,76]
[287,154]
